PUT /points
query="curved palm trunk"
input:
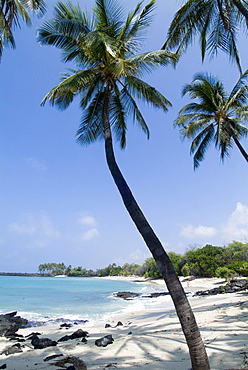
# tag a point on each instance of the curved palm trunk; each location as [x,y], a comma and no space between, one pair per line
[198,355]
[243,152]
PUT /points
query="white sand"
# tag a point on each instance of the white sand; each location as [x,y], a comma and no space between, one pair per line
[151,339]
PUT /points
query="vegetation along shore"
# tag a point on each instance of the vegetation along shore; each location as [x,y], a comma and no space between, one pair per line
[223,262]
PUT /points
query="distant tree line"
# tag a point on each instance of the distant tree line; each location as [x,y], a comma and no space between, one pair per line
[208,261]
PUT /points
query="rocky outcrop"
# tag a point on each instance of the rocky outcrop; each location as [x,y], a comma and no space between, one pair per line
[76,335]
[77,363]
[16,348]
[10,324]
[131,295]
[232,287]
[40,343]
[104,341]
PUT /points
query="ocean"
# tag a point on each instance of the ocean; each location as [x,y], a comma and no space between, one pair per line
[50,299]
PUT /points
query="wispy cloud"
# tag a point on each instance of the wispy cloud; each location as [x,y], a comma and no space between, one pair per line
[37,164]
[25,226]
[39,225]
[87,220]
[137,255]
[90,234]
[236,227]
[191,231]
[47,226]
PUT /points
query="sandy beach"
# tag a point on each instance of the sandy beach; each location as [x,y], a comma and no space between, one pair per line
[149,339]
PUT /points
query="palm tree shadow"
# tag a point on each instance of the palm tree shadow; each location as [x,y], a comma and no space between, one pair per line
[157,343]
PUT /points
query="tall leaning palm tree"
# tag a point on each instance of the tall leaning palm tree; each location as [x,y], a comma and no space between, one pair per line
[217,22]
[107,80]
[11,11]
[216,117]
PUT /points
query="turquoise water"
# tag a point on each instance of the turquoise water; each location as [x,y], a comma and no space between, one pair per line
[42,299]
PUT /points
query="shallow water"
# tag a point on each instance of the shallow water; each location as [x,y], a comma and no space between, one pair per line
[46,299]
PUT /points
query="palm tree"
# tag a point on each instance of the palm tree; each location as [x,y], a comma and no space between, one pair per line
[217,22]
[218,117]
[10,13]
[108,83]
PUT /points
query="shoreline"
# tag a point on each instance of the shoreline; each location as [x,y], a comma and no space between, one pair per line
[150,339]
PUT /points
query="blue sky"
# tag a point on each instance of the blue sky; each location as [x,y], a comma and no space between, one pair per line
[58,201]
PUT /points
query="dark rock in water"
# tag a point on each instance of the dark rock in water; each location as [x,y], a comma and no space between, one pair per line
[80,322]
[232,287]
[155,294]
[126,295]
[42,343]
[10,324]
[104,341]
[65,325]
[16,348]
[4,366]
[77,334]
[130,295]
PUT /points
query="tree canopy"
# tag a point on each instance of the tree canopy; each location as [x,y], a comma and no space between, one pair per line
[215,116]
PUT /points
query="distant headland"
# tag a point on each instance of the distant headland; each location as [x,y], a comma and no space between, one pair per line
[25,274]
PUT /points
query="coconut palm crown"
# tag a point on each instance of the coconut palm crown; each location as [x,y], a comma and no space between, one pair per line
[217,117]
[11,11]
[217,22]
[104,50]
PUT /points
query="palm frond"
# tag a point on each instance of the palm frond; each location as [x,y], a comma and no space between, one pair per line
[108,14]
[91,126]
[216,22]
[125,34]
[88,92]
[192,124]
[151,60]
[239,94]
[200,144]
[186,23]
[62,94]
[37,6]
[146,92]
[133,110]
[118,117]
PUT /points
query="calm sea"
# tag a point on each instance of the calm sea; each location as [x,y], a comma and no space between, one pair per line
[44,299]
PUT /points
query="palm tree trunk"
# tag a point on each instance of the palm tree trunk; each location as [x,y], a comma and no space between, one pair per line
[198,355]
[243,152]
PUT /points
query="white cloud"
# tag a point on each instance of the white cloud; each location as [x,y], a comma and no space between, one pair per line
[191,231]
[37,244]
[138,256]
[38,225]
[36,164]
[87,220]
[90,234]
[47,226]
[25,227]
[236,227]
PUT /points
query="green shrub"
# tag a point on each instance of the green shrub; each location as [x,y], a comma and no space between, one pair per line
[224,272]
